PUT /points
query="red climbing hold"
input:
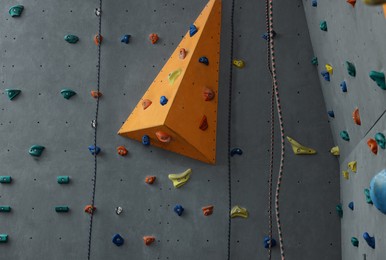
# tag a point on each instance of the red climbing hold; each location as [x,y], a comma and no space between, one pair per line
[182,54]
[163,137]
[122,150]
[96,94]
[153,38]
[204,123]
[356,117]
[98,39]
[148,240]
[89,209]
[208,210]
[208,94]
[150,179]
[352,2]
[146,103]
[372,145]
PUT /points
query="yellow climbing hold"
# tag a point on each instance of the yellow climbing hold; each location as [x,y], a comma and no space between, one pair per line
[345,175]
[353,166]
[238,211]
[180,179]
[335,151]
[300,149]
[174,75]
[238,63]
[374,2]
[329,69]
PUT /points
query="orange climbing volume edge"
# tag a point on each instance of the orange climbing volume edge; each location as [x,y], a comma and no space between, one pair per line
[183,82]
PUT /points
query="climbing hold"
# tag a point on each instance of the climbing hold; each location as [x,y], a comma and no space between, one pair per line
[163,137]
[335,151]
[98,38]
[146,103]
[3,238]
[331,113]
[153,38]
[180,179]
[343,86]
[351,69]
[355,241]
[89,209]
[163,100]
[268,241]
[63,179]
[148,240]
[94,150]
[5,179]
[339,210]
[208,210]
[346,175]
[236,151]
[374,2]
[203,123]
[118,210]
[325,75]
[367,196]
[118,240]
[344,135]
[314,61]
[372,144]
[150,179]
[378,191]
[71,38]
[356,117]
[192,30]
[97,11]
[174,75]
[238,63]
[62,209]
[352,166]
[381,140]
[351,205]
[314,3]
[96,94]
[208,94]
[15,11]
[182,54]
[300,149]
[369,239]
[329,69]
[145,140]
[352,2]
[178,209]
[5,209]
[323,26]
[67,93]
[379,78]
[12,93]
[93,123]
[126,38]
[122,150]
[265,36]
[238,211]
[203,60]
[36,150]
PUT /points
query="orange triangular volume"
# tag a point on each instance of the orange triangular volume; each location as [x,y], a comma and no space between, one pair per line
[184,82]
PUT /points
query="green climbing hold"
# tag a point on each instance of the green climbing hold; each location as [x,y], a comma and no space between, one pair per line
[345,136]
[3,238]
[67,93]
[63,179]
[367,196]
[5,179]
[355,241]
[323,26]
[314,61]
[12,93]
[5,208]
[351,69]
[381,140]
[339,210]
[62,208]
[71,38]
[15,11]
[36,150]
[379,78]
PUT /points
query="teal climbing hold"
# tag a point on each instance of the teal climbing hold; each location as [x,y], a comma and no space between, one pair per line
[381,140]
[323,26]
[62,209]
[314,61]
[379,78]
[5,209]
[344,135]
[63,179]
[15,11]
[36,150]
[5,179]
[351,69]
[71,38]
[367,196]
[12,93]
[355,241]
[339,210]
[3,238]
[67,93]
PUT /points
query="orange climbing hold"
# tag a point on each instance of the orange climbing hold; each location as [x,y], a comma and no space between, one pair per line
[356,117]
[182,54]
[372,145]
[208,210]
[96,94]
[163,137]
[150,179]
[148,240]
[98,39]
[208,94]
[352,2]
[153,38]
[89,209]
[146,103]
[204,123]
[122,150]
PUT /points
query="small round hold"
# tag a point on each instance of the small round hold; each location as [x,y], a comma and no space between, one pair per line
[118,210]
[236,151]
[97,11]
[203,60]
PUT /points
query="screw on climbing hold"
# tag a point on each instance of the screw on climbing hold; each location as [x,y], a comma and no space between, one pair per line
[5,208]
[314,61]
[3,238]
[238,211]
[381,140]
[323,26]
[203,123]
[15,11]
[351,205]
[163,100]
[118,210]
[269,241]
[94,149]
[352,166]
[67,93]
[150,179]
[372,144]
[146,103]
[89,209]
[148,240]
[71,38]
[178,209]
[174,75]
[369,240]
[203,60]
[325,75]
[96,94]
[329,69]
[98,38]
[182,54]
[331,113]
[208,210]
[126,38]
[379,78]
[62,209]
[36,150]
[97,11]
[180,179]
[163,137]
[93,123]
[298,149]
[63,179]
[344,135]
[355,241]
[343,86]
[236,151]
[208,94]
[339,210]
[367,196]
[377,191]
[118,240]
[351,69]
[352,2]
[238,63]
[265,36]
[314,3]
[12,93]
[145,140]
[121,150]
[346,175]
[153,38]
[5,179]
[356,117]
[192,30]
[335,151]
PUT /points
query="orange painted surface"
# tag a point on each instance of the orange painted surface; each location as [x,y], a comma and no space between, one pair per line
[384,10]
[181,116]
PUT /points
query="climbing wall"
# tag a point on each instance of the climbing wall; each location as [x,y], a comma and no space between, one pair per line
[355,34]
[37,60]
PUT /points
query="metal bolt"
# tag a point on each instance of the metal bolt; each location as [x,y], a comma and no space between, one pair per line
[118,210]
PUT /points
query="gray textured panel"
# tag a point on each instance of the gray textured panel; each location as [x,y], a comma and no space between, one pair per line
[36,59]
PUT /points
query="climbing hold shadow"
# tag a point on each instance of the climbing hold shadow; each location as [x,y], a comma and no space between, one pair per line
[15,11]
[325,75]
[98,38]
[180,179]
[94,150]
[265,36]
[118,210]
[96,94]
[150,179]
[269,241]
[3,238]
[36,150]
[331,113]
[208,210]
[379,78]
[163,137]
[351,205]
[203,123]
[173,76]
[67,93]
[355,241]
[182,54]
[148,240]
[351,69]
[236,151]
[125,38]
[372,144]
[329,69]
[208,94]
[203,60]
[356,117]
[314,3]
[346,175]
[153,38]
[62,209]
[146,140]
[71,38]
[352,166]
[314,61]
[323,26]
[192,30]
[335,151]
[367,196]
[369,240]
[122,151]
[12,93]
[352,2]
[63,179]
[298,149]
[377,191]
[381,140]
[238,63]
[146,103]
[344,135]
[343,86]
[238,211]
[5,179]
[89,209]
[5,208]
[339,210]
[118,240]
[178,209]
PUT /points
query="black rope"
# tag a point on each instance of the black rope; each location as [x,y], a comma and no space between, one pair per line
[95,130]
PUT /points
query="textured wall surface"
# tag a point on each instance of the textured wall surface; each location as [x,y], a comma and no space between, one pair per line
[36,59]
[356,35]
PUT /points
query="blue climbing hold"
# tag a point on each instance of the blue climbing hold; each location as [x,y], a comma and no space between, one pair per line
[236,151]
[314,3]
[178,209]
[192,30]
[369,239]
[351,205]
[325,75]
[203,60]
[126,38]
[268,241]
[265,36]
[94,149]
[163,100]
[343,86]
[145,140]
[378,191]
[118,240]
[331,113]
